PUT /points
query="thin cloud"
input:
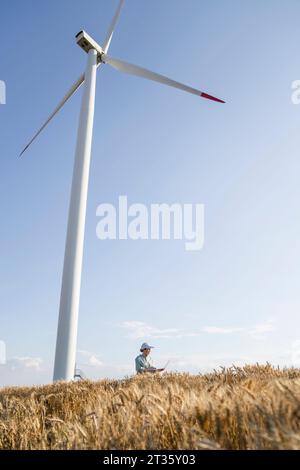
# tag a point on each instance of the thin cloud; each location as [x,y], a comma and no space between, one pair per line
[25,370]
[91,359]
[27,362]
[140,330]
[221,331]
[259,331]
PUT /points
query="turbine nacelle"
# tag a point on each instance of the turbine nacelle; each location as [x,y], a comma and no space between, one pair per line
[86,42]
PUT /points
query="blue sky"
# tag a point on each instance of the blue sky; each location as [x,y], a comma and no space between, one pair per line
[235,301]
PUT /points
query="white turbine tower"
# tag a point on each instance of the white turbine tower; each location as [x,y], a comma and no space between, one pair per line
[65,355]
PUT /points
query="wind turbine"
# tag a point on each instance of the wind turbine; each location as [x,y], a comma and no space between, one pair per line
[65,355]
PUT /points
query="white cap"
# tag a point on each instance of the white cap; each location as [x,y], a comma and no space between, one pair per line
[146,346]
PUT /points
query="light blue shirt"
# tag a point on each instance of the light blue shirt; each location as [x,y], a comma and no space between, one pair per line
[141,364]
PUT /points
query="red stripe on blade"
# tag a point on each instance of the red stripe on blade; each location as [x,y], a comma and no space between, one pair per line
[209,97]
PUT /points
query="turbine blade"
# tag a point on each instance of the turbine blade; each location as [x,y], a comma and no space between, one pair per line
[71,92]
[111,30]
[147,74]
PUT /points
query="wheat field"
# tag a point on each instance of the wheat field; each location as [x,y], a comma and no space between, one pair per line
[254,407]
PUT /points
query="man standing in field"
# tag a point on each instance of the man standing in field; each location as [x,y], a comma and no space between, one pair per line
[142,364]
